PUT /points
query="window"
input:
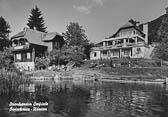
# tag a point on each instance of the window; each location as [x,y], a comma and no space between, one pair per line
[126,52]
[95,54]
[110,43]
[24,56]
[134,32]
[18,56]
[116,53]
[28,55]
[104,52]
[132,41]
[56,45]
[127,40]
[138,49]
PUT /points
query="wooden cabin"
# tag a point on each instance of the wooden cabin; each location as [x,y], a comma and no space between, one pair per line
[29,44]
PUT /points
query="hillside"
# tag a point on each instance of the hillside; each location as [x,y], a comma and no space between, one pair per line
[154,28]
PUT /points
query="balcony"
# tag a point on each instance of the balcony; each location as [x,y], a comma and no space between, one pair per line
[20,47]
[122,45]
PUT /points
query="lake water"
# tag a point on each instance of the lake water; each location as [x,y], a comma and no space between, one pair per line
[85,99]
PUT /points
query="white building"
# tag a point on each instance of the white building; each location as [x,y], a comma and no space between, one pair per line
[128,41]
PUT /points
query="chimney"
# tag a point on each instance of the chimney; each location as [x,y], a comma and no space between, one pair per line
[25,28]
[166,10]
[145,30]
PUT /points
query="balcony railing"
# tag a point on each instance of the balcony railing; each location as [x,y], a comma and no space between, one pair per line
[20,47]
[119,45]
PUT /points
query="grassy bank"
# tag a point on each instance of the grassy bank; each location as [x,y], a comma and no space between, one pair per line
[129,69]
[138,70]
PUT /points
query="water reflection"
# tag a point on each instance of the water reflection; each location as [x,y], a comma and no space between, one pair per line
[89,99]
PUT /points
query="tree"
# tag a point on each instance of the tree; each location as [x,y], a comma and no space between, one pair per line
[6,59]
[42,62]
[75,35]
[67,54]
[87,49]
[36,21]
[134,22]
[54,56]
[4,33]
[162,50]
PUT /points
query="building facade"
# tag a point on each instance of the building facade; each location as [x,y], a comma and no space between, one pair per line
[29,44]
[129,41]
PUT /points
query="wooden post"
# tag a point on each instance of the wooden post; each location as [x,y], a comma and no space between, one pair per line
[14,56]
[59,57]
[166,80]
[161,66]
[33,55]
[120,53]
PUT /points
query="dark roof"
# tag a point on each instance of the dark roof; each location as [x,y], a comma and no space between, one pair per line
[50,36]
[33,36]
[36,37]
[20,34]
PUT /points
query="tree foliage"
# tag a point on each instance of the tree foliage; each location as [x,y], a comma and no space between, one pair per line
[87,50]
[54,56]
[6,59]
[36,20]
[76,49]
[162,49]
[134,22]
[75,35]
[4,33]
[42,62]
[67,54]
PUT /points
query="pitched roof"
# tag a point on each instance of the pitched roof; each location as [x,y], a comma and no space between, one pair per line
[33,36]
[50,36]
[36,37]
[20,34]
[128,24]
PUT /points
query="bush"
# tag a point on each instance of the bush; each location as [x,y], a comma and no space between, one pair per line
[6,59]
[67,54]
[42,62]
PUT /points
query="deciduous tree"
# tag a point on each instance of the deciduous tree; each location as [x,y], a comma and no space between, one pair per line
[4,33]
[162,49]
[75,35]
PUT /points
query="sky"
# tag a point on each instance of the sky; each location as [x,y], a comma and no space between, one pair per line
[99,18]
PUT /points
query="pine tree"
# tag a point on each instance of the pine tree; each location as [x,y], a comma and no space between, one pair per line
[36,20]
[4,33]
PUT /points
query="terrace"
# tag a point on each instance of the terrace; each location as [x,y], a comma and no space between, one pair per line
[120,42]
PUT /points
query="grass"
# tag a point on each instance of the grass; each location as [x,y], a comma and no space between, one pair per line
[145,67]
[124,62]
[9,79]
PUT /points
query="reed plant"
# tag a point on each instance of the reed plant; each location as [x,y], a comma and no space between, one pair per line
[10,79]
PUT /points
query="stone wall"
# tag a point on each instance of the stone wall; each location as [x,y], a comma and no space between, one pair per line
[25,65]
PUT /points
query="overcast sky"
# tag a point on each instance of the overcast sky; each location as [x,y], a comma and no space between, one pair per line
[100,18]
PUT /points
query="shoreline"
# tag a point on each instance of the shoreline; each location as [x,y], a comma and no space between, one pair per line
[96,75]
[134,82]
